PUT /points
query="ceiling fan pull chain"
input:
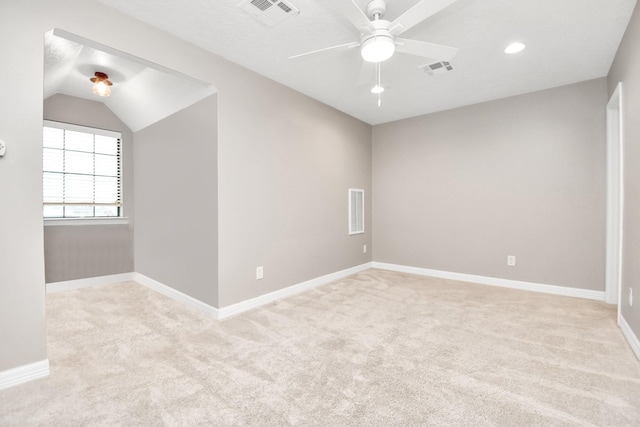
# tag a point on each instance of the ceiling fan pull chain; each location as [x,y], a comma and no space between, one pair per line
[378,84]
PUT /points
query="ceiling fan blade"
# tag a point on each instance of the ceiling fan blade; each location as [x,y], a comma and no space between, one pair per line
[352,12]
[426,49]
[340,46]
[418,13]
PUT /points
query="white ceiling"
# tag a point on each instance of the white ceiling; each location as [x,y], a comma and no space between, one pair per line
[567,41]
[142,92]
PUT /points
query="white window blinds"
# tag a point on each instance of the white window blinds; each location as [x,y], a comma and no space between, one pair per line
[81,172]
[356,211]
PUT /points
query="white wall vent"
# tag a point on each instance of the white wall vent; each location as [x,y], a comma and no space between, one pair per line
[269,12]
[356,211]
[436,68]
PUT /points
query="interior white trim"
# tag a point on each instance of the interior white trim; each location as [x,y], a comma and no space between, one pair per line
[68,285]
[132,58]
[234,309]
[24,373]
[494,281]
[615,197]
[213,312]
[84,129]
[632,339]
[176,295]
[86,221]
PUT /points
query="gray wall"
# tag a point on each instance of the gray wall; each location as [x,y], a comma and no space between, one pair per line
[22,331]
[82,251]
[284,172]
[283,191]
[176,186]
[460,190]
[243,99]
[626,69]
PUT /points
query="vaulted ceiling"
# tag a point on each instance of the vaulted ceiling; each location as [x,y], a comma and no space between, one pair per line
[142,92]
[566,41]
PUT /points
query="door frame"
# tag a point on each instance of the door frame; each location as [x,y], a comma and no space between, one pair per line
[615,198]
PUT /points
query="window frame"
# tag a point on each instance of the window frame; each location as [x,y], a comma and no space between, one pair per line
[95,220]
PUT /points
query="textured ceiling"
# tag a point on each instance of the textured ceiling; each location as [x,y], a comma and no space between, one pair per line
[567,41]
[142,93]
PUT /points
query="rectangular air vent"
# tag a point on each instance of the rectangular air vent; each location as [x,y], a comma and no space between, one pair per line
[263,5]
[436,68]
[356,211]
[269,12]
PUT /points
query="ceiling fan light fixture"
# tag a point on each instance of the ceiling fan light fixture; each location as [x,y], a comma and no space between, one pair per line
[514,48]
[377,89]
[378,48]
[101,84]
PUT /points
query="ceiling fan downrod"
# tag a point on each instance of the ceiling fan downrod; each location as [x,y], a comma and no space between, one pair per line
[376,9]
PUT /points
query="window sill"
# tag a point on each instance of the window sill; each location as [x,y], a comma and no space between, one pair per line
[86,221]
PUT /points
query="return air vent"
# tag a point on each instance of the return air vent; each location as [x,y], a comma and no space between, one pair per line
[356,211]
[269,12]
[436,68]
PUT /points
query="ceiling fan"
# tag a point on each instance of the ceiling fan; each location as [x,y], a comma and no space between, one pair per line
[379,37]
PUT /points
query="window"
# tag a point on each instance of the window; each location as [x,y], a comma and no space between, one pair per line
[81,172]
[356,211]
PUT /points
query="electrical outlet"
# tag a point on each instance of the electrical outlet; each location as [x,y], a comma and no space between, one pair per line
[630,297]
[364,249]
[511,260]
[259,273]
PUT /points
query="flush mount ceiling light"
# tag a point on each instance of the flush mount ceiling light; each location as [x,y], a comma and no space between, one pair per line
[101,84]
[514,48]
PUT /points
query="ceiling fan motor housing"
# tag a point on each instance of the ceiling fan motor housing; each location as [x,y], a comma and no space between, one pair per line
[381,30]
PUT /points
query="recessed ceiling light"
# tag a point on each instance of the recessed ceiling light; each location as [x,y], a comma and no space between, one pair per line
[514,48]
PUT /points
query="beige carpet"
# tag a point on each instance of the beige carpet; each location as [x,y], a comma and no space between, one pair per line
[375,349]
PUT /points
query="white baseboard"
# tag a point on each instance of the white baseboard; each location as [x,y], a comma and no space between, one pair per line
[632,339]
[68,285]
[234,309]
[216,313]
[22,374]
[176,295]
[494,281]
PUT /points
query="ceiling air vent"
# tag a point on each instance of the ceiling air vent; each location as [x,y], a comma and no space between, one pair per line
[436,68]
[269,12]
